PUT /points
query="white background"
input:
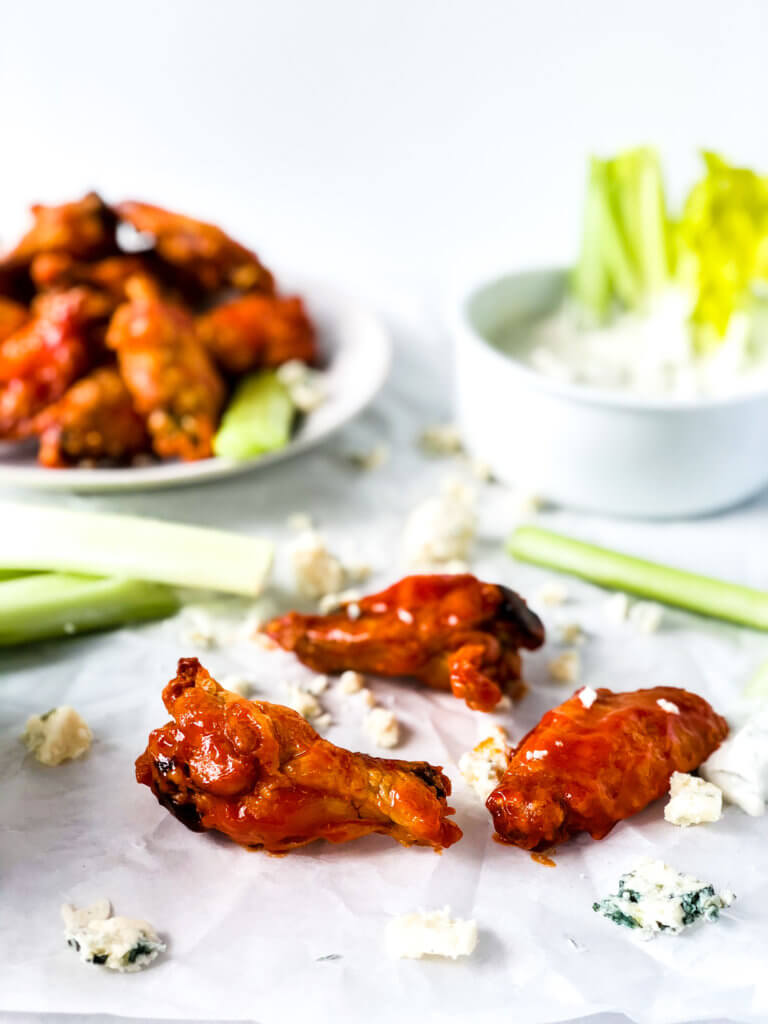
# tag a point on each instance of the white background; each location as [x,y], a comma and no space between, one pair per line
[385,141]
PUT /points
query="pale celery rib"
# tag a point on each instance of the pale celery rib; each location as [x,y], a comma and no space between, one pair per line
[49,605]
[688,590]
[257,420]
[68,540]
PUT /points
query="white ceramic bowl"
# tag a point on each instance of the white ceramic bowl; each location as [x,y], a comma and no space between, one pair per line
[605,451]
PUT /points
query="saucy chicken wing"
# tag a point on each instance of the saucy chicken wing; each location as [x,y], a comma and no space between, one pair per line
[84,229]
[450,632]
[257,331]
[260,774]
[169,374]
[214,259]
[94,421]
[12,316]
[40,360]
[593,761]
[60,270]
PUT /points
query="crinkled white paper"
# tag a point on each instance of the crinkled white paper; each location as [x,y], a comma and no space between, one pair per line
[274,939]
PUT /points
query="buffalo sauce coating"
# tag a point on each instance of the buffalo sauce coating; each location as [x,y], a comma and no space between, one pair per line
[260,774]
[451,632]
[582,769]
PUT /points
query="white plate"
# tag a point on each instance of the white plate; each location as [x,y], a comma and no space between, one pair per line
[358,351]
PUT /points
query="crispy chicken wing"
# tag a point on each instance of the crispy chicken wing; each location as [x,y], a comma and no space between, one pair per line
[450,632]
[170,376]
[40,360]
[585,766]
[84,229]
[12,316]
[258,331]
[214,259]
[93,421]
[60,270]
[260,774]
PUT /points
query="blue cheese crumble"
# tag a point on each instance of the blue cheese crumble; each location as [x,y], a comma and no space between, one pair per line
[655,898]
[118,943]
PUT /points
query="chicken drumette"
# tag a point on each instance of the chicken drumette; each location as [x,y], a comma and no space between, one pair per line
[202,250]
[84,229]
[256,331]
[169,374]
[260,774]
[595,760]
[450,632]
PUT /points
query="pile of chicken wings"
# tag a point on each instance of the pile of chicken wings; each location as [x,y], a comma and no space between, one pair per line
[110,356]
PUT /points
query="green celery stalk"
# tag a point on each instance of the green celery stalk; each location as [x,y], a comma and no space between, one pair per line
[589,281]
[642,209]
[257,420]
[68,540]
[688,590]
[50,605]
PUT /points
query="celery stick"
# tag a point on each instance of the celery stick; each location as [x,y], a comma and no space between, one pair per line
[63,539]
[589,280]
[608,568]
[616,252]
[757,684]
[49,605]
[257,420]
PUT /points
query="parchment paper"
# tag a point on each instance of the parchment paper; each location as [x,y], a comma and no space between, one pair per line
[249,935]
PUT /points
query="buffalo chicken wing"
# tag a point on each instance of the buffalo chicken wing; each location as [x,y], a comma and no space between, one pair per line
[257,331]
[452,633]
[592,762]
[84,229]
[12,316]
[260,774]
[170,376]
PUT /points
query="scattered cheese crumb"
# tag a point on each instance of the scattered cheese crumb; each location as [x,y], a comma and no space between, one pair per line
[525,504]
[357,572]
[316,570]
[118,943]
[483,766]
[306,386]
[616,608]
[739,766]
[366,697]
[430,933]
[441,439]
[317,685]
[481,470]
[266,643]
[535,755]
[587,696]
[201,629]
[441,529]
[668,706]
[646,616]
[566,667]
[300,522]
[58,735]
[382,727]
[237,685]
[571,633]
[692,800]
[331,602]
[372,459]
[551,593]
[300,700]
[351,682]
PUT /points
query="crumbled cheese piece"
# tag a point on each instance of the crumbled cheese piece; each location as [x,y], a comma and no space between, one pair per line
[441,529]
[655,898]
[430,933]
[571,633]
[331,602]
[535,755]
[454,568]
[266,643]
[587,696]
[238,685]
[201,629]
[316,570]
[616,608]
[483,766]
[668,706]
[366,697]
[504,703]
[306,386]
[692,800]
[481,470]
[300,700]
[317,685]
[526,504]
[351,682]
[119,943]
[58,735]
[566,667]
[357,572]
[646,616]
[372,459]
[382,727]
[300,522]
[551,593]
[739,766]
[441,439]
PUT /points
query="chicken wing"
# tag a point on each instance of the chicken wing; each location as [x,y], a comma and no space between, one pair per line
[60,270]
[93,421]
[258,331]
[84,229]
[214,259]
[449,632]
[593,761]
[12,316]
[260,774]
[40,360]
[170,376]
